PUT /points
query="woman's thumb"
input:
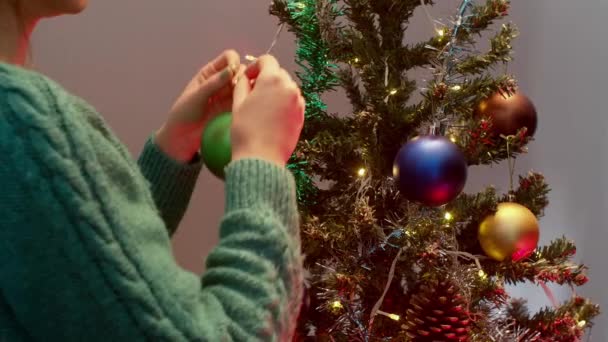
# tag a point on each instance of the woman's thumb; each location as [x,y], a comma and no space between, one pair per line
[215,83]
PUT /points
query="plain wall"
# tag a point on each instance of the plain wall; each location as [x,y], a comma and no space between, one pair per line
[131,59]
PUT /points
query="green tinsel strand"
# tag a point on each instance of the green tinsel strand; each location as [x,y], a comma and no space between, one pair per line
[317,75]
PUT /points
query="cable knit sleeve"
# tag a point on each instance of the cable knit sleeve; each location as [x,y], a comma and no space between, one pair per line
[85,254]
[171,182]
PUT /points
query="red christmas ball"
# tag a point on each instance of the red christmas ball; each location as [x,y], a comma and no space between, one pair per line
[509,113]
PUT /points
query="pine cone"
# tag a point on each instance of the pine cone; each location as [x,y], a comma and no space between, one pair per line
[437,312]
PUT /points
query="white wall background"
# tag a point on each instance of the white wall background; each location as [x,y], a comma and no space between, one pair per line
[131,58]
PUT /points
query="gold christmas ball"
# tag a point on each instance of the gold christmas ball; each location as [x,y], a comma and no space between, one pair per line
[512,232]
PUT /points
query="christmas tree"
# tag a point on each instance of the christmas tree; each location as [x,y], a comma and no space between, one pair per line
[394,250]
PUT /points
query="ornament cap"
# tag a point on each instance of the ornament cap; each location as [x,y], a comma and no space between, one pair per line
[439,128]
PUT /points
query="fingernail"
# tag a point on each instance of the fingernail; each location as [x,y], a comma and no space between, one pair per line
[227,73]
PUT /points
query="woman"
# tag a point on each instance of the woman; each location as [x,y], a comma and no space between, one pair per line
[85,231]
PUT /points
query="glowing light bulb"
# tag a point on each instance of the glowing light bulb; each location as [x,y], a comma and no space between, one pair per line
[361,172]
[453,138]
[356,60]
[440,32]
[393,92]
[482,275]
[456,87]
[394,317]
[336,305]
[581,324]
[448,216]
[250,58]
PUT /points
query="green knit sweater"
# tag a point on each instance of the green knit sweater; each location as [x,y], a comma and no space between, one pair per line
[85,250]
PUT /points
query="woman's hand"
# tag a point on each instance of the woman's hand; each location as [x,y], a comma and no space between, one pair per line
[208,94]
[268,113]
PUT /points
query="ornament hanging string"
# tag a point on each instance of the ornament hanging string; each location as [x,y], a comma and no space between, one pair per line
[428,15]
[272,44]
[276,38]
[549,294]
[511,162]
[252,59]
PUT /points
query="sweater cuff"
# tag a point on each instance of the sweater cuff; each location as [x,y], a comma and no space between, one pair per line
[172,182]
[254,183]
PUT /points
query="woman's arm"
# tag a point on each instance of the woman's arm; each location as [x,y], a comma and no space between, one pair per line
[86,259]
[171,182]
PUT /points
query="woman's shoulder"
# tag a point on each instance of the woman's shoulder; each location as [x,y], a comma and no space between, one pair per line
[21,87]
[31,107]
[28,93]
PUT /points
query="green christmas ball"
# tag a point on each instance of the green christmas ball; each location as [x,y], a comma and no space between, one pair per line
[216,149]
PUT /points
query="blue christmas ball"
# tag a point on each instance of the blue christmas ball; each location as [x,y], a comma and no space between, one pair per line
[431,170]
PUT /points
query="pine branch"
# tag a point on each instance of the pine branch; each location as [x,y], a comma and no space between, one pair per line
[558,251]
[518,311]
[350,84]
[484,15]
[538,269]
[420,54]
[532,193]
[566,323]
[500,52]
[459,101]
[364,34]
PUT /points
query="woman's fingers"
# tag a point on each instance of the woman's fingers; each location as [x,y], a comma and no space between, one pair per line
[264,65]
[213,86]
[241,89]
[228,59]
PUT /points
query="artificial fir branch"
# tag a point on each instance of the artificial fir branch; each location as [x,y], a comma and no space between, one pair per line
[354,223]
[459,101]
[351,85]
[483,147]
[558,251]
[420,54]
[500,52]
[484,15]
[566,323]
[542,270]
[550,263]
[533,192]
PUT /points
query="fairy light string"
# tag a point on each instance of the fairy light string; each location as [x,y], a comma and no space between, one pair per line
[444,73]
[447,56]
